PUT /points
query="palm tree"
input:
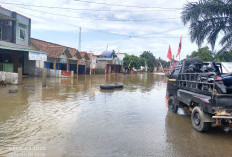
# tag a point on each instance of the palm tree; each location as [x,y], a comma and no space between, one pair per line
[208,19]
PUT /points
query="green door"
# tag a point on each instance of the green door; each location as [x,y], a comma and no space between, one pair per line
[8,67]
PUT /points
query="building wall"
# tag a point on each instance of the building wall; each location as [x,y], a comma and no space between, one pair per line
[21,20]
[11,28]
[100,67]
[8,77]
[39,64]
[29,65]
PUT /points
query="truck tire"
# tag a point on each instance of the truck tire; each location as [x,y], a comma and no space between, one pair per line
[198,118]
[172,104]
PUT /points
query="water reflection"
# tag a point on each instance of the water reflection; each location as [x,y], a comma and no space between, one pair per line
[185,141]
[73,117]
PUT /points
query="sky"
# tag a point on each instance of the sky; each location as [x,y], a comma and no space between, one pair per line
[126,26]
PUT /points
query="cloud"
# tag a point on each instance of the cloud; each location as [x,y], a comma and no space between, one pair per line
[42,22]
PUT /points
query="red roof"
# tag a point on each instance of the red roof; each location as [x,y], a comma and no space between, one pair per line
[53,49]
[84,55]
[74,52]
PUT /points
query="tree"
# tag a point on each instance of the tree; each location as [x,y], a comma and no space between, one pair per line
[132,61]
[151,61]
[223,56]
[207,19]
[204,53]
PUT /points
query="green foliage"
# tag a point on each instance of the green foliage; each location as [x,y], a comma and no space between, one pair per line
[223,57]
[132,61]
[151,61]
[164,63]
[208,19]
[204,53]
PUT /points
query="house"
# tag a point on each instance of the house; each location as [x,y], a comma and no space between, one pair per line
[62,57]
[108,62]
[15,53]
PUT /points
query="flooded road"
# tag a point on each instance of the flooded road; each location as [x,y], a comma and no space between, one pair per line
[73,117]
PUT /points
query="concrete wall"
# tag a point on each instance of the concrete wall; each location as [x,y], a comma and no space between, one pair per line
[100,67]
[9,78]
[29,65]
[21,20]
[50,72]
[39,64]
[12,31]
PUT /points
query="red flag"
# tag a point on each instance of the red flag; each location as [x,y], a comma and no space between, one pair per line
[180,45]
[169,55]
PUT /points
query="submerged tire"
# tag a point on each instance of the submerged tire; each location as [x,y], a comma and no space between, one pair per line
[172,104]
[107,86]
[198,118]
[118,85]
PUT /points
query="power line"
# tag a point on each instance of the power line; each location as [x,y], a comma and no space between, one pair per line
[99,19]
[120,5]
[81,9]
[118,34]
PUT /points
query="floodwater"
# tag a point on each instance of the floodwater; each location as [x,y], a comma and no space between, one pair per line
[73,117]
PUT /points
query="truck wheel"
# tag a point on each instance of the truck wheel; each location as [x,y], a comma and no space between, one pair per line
[197,118]
[172,104]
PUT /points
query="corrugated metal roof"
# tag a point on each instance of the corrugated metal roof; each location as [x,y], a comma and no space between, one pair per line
[108,54]
[15,47]
[109,59]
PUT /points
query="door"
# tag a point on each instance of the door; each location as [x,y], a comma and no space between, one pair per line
[172,85]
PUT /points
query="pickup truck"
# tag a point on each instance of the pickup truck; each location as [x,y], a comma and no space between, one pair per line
[204,90]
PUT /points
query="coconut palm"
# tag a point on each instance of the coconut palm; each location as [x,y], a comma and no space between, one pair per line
[208,19]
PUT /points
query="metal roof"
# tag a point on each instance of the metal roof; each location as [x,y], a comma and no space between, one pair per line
[107,54]
[109,59]
[15,47]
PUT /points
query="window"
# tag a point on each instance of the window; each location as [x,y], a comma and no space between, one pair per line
[0,33]
[176,72]
[22,31]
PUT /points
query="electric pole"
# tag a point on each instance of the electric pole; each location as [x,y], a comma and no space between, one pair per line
[79,47]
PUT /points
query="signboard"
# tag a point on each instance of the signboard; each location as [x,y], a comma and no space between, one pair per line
[63,60]
[65,73]
[37,56]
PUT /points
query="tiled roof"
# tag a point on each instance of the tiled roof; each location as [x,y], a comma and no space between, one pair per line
[53,49]
[84,55]
[75,52]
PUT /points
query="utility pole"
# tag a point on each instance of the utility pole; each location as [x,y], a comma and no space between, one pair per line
[79,47]
[107,47]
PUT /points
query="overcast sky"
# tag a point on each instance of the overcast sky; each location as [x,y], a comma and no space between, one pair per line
[160,27]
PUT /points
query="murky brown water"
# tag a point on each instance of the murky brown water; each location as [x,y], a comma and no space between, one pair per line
[76,118]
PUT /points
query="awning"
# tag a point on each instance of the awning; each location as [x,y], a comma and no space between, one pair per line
[21,49]
[32,54]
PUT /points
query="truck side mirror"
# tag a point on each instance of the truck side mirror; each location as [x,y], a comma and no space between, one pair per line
[168,75]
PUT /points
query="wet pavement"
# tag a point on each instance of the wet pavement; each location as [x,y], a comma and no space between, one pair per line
[73,117]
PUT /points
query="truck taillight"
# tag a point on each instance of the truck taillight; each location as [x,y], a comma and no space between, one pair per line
[219,78]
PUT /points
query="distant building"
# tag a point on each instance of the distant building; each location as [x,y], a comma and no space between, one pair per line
[108,62]
[62,57]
